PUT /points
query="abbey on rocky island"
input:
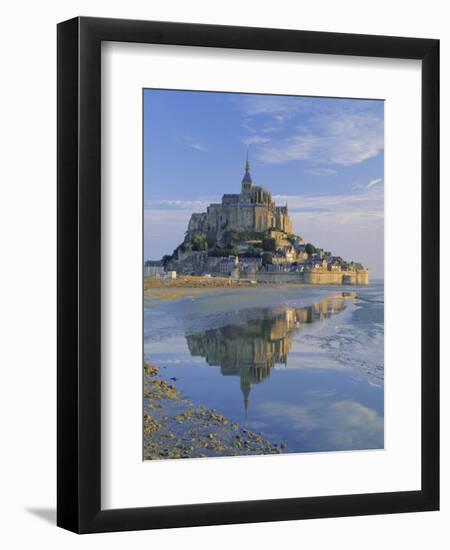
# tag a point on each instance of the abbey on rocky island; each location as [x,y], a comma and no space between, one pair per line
[247,235]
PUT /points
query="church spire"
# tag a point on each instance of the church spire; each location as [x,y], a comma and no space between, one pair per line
[247,182]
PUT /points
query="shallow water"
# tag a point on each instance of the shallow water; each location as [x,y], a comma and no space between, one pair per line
[303,366]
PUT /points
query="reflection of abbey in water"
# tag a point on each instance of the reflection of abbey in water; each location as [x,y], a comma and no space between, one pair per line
[252,348]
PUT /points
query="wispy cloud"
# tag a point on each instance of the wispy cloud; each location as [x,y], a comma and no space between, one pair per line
[321,172]
[197,146]
[342,424]
[278,107]
[374,182]
[256,126]
[342,139]
[267,114]
[255,140]
[315,130]
[269,129]
[192,205]
[336,209]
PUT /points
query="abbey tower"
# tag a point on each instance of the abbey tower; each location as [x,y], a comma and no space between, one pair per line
[251,210]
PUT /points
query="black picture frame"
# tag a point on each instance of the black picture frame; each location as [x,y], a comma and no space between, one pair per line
[79,280]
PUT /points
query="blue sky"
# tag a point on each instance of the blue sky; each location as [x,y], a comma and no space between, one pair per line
[323,156]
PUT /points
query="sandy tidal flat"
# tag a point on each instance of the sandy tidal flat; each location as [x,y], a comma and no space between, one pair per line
[158,290]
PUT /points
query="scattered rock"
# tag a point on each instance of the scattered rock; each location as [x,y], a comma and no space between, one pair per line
[176,428]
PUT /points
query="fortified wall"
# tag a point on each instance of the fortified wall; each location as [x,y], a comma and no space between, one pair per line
[322,277]
[316,277]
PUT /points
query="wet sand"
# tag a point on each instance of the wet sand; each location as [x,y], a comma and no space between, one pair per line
[170,290]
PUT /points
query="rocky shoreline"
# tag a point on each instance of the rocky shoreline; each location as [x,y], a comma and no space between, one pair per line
[175,427]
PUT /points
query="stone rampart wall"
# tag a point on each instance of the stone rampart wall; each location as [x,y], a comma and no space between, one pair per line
[316,277]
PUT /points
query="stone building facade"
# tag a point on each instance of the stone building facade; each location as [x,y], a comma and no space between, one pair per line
[251,210]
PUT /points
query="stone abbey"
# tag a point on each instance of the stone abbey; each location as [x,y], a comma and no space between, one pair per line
[247,236]
[251,210]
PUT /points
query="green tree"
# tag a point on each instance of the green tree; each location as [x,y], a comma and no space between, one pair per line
[310,249]
[252,235]
[267,258]
[166,259]
[230,237]
[269,244]
[198,241]
[252,252]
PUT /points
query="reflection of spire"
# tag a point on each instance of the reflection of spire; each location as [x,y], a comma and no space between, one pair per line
[245,389]
[252,348]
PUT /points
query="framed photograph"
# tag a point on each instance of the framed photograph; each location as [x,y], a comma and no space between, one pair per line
[248,275]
